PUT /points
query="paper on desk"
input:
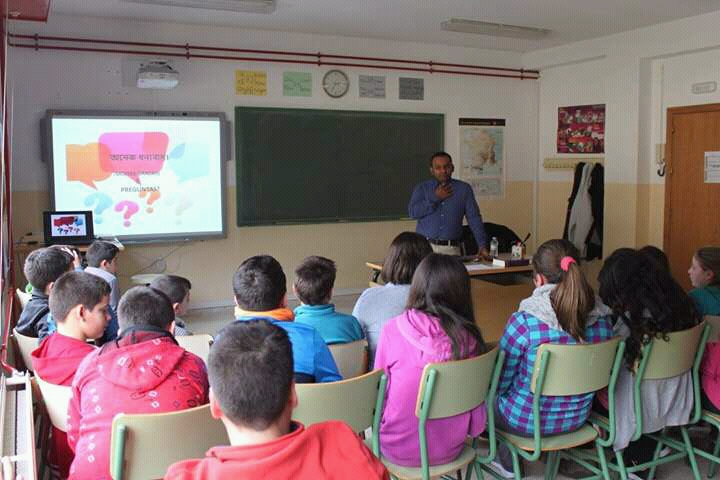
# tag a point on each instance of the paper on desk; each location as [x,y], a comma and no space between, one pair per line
[471,267]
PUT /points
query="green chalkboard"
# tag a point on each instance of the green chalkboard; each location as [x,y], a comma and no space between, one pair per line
[312,166]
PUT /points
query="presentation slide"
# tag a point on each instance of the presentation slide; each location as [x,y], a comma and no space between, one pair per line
[144,178]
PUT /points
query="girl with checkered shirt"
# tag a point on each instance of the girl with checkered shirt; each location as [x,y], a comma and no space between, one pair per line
[562,309]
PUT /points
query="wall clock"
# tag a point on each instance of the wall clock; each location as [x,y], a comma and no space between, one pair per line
[336,83]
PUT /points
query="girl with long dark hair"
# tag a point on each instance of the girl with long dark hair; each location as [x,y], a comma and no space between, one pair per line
[438,326]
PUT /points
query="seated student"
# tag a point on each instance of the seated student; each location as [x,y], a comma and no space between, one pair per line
[102,260]
[143,371]
[438,326]
[377,305]
[314,286]
[657,255]
[646,303]
[704,273]
[562,309]
[178,291]
[42,267]
[79,302]
[253,393]
[260,292]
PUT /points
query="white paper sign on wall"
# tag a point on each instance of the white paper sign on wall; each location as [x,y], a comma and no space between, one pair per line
[712,167]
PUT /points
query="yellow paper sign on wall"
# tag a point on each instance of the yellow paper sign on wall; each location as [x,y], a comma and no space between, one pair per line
[248,82]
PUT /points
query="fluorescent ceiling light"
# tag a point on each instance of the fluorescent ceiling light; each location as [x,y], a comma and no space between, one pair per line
[246,6]
[464,25]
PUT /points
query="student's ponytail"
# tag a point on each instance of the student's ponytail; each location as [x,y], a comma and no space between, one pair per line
[573,297]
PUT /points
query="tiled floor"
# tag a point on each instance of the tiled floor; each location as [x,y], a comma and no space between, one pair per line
[213,319]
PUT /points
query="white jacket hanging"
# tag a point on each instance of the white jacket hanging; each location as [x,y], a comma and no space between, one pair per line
[581,219]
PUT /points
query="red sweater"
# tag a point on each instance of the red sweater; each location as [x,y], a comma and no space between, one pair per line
[328,450]
[144,372]
[55,361]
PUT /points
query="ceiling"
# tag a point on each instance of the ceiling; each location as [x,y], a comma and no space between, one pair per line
[419,20]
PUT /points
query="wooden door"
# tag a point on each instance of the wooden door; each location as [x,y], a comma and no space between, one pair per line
[692,207]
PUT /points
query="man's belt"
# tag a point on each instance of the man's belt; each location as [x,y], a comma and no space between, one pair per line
[447,243]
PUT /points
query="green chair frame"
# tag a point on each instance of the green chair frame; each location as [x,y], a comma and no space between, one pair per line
[562,369]
[706,415]
[356,401]
[171,437]
[661,359]
[452,388]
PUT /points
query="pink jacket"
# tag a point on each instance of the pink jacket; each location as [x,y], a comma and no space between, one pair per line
[140,373]
[407,343]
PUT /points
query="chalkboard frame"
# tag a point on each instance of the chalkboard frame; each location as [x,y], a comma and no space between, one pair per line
[250,140]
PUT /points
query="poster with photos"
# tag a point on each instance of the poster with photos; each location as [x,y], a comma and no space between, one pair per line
[581,129]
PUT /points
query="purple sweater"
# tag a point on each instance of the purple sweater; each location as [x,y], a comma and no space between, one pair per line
[407,343]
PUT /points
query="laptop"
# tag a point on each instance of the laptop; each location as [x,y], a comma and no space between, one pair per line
[68,227]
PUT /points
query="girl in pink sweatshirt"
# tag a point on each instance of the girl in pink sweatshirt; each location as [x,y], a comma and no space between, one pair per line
[438,326]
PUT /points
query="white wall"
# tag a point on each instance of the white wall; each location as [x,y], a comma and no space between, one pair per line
[638,75]
[42,80]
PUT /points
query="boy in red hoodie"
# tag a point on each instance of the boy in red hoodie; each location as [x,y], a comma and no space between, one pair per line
[79,302]
[142,371]
[253,393]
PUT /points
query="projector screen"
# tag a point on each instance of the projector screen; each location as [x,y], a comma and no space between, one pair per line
[145,176]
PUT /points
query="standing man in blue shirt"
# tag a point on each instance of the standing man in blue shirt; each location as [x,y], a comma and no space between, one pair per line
[439,206]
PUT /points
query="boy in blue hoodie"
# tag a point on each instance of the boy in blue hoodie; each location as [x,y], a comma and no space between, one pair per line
[315,278]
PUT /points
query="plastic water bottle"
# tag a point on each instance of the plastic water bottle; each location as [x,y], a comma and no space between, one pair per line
[494,247]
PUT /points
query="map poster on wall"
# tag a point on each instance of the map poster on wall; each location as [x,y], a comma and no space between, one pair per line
[482,155]
[581,129]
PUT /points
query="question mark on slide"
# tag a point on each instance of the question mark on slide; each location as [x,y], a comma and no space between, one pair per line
[182,205]
[154,195]
[102,202]
[132,209]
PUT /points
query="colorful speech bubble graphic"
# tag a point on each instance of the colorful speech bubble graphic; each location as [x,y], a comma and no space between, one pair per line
[189,161]
[101,201]
[84,164]
[152,198]
[131,208]
[133,153]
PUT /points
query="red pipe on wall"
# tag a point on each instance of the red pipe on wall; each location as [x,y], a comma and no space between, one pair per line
[270,56]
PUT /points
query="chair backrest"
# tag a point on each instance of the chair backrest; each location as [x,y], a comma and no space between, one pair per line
[354,401]
[25,345]
[144,445]
[57,400]
[351,358]
[714,322]
[23,297]
[451,388]
[199,344]
[574,369]
[675,356]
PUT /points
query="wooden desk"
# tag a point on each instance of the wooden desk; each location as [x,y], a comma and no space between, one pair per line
[496,293]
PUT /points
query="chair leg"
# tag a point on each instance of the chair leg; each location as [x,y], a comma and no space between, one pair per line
[621,465]
[516,464]
[716,452]
[553,460]
[690,453]
[656,455]
[603,461]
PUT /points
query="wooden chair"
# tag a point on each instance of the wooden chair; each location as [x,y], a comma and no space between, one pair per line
[57,400]
[356,401]
[561,370]
[25,346]
[351,358]
[447,389]
[198,344]
[682,352]
[143,446]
